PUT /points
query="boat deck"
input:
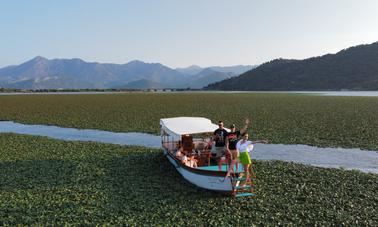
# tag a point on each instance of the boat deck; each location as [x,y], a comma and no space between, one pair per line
[224,168]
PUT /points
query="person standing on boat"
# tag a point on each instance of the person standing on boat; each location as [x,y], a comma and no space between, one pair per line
[245,146]
[220,136]
[231,141]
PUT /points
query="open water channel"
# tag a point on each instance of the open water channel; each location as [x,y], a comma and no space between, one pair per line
[362,160]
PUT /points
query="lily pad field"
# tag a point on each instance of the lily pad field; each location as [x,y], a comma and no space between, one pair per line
[280,118]
[50,182]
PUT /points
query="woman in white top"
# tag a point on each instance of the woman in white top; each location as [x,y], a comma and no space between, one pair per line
[245,146]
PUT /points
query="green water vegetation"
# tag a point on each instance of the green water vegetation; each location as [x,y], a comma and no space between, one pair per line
[51,182]
[280,118]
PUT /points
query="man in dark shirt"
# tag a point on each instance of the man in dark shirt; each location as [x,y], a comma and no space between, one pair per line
[220,136]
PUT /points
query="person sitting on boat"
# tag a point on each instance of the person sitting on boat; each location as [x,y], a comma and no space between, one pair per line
[231,141]
[191,161]
[245,146]
[181,156]
[219,138]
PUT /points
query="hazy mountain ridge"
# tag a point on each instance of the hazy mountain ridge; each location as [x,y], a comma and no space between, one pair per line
[191,70]
[143,84]
[207,76]
[235,70]
[42,73]
[354,68]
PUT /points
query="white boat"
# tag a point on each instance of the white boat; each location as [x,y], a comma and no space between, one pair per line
[177,134]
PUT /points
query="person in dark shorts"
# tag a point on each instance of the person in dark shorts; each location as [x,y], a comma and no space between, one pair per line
[220,136]
[231,141]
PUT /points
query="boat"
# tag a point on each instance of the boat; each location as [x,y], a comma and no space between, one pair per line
[187,145]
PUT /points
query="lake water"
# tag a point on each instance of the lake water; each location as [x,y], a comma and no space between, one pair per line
[323,93]
[365,161]
[343,93]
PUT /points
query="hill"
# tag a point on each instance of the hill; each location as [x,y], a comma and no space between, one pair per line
[143,84]
[354,68]
[234,70]
[42,73]
[207,76]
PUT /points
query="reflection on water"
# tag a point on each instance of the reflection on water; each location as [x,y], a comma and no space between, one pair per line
[366,161]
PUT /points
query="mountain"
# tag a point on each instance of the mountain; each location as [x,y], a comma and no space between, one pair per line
[57,73]
[204,76]
[156,72]
[191,70]
[235,70]
[208,76]
[355,68]
[49,83]
[143,84]
[42,73]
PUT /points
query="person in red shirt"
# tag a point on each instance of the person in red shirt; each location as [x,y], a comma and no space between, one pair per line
[231,140]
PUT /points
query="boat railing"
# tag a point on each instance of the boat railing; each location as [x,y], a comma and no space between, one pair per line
[170,145]
[198,148]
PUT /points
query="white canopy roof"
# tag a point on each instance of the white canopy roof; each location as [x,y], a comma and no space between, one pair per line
[178,126]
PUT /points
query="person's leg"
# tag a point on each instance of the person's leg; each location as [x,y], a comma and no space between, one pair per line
[229,156]
[231,169]
[251,171]
[234,160]
[220,162]
[246,161]
[246,172]
[248,178]
[219,151]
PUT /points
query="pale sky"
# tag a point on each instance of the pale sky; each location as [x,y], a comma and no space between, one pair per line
[179,33]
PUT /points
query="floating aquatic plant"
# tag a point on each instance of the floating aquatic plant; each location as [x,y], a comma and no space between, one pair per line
[51,182]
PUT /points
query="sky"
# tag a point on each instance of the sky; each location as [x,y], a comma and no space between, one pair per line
[180,33]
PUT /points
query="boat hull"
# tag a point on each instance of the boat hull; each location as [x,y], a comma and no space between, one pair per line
[211,180]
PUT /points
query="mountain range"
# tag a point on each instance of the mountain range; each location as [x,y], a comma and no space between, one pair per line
[354,68]
[42,73]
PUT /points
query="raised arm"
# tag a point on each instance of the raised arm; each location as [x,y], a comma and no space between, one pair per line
[244,129]
[260,141]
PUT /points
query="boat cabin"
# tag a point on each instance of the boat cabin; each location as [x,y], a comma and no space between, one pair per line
[189,139]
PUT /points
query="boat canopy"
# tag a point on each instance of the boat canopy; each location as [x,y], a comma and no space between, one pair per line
[178,126]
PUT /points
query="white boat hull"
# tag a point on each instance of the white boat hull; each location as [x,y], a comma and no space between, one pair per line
[206,181]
